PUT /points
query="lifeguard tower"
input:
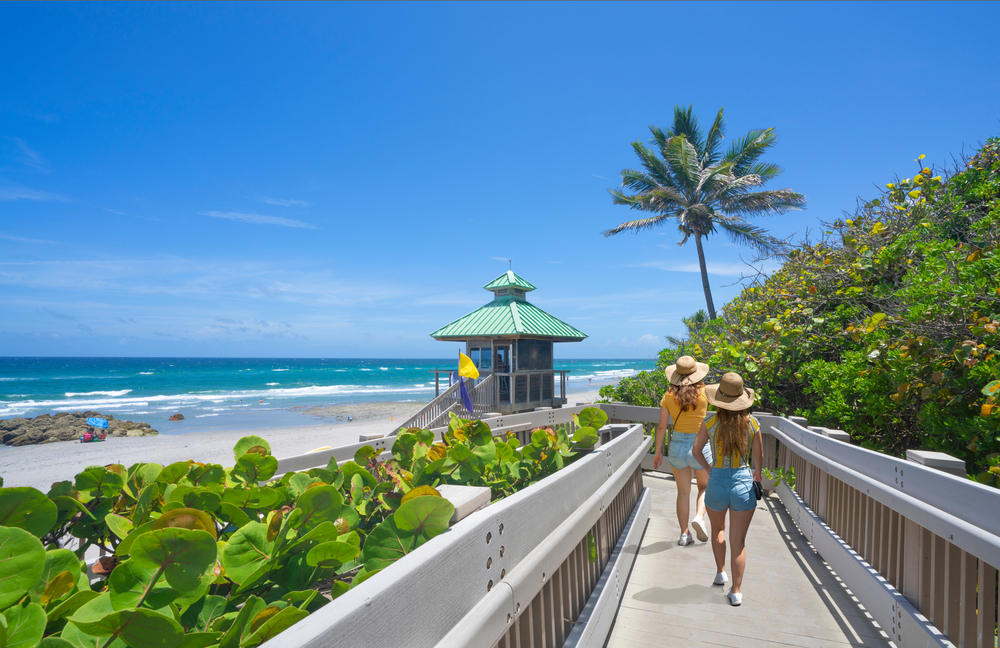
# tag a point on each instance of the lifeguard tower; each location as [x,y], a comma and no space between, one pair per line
[510,341]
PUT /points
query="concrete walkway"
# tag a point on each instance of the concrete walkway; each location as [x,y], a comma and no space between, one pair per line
[790,597]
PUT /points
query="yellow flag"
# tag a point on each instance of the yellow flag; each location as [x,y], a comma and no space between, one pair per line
[466,368]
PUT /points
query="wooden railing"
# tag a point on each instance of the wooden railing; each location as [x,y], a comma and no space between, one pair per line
[518,573]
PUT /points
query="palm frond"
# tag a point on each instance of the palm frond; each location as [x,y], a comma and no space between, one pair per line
[655,166]
[711,155]
[763,203]
[638,181]
[682,157]
[686,124]
[765,170]
[745,151]
[637,225]
[751,236]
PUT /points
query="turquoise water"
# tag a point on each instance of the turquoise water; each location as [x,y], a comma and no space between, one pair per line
[234,393]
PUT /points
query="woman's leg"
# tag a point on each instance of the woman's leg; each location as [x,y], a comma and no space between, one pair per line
[737,535]
[718,537]
[682,477]
[701,476]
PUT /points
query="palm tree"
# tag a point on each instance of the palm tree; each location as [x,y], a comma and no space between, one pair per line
[692,182]
[694,323]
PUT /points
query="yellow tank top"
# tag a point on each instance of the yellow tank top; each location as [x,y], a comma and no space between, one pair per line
[687,422]
[734,460]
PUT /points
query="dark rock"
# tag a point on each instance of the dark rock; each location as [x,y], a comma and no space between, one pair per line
[59,415]
[177,417]
[90,413]
[43,416]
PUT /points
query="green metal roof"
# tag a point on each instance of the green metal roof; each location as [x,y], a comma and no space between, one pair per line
[509,316]
[509,279]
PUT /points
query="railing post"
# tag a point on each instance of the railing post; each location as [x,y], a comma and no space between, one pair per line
[938,460]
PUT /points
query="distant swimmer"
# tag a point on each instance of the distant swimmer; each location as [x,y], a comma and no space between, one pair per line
[262,400]
[350,418]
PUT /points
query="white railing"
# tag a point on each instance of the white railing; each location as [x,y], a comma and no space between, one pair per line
[435,413]
[515,573]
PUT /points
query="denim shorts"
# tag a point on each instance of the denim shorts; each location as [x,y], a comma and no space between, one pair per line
[680,453]
[730,488]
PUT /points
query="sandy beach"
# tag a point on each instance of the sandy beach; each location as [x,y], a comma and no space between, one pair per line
[42,465]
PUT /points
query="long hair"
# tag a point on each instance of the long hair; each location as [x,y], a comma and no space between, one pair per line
[731,433]
[686,395]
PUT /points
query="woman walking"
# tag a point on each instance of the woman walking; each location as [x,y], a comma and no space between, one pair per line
[733,434]
[685,405]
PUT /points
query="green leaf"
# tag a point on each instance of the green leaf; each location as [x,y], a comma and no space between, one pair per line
[187,518]
[171,474]
[586,437]
[591,547]
[129,582]
[350,469]
[426,516]
[72,604]
[592,417]
[319,504]
[211,476]
[99,481]
[331,554]
[386,544]
[364,455]
[196,497]
[25,625]
[184,555]
[246,551]
[233,514]
[199,616]
[362,576]
[125,545]
[56,561]
[234,635]
[137,628]
[27,508]
[252,468]
[992,388]
[274,625]
[144,503]
[120,526]
[200,640]
[55,642]
[252,444]
[22,558]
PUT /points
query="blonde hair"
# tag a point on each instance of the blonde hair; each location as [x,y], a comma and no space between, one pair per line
[731,432]
[686,396]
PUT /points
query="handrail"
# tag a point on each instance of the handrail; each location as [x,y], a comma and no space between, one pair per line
[517,567]
[432,413]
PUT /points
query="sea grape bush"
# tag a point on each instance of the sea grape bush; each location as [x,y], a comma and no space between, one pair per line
[195,555]
[887,328]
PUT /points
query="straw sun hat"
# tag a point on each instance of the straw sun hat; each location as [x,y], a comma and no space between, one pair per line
[686,371]
[730,394]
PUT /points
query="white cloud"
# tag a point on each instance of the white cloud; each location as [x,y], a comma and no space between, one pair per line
[645,340]
[31,158]
[21,239]
[724,269]
[11,193]
[284,202]
[259,219]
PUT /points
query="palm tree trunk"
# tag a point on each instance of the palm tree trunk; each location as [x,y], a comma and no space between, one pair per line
[704,275]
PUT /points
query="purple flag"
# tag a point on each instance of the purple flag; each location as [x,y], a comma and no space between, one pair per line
[466,399]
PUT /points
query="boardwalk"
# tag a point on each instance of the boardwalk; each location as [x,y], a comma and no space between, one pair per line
[790,597]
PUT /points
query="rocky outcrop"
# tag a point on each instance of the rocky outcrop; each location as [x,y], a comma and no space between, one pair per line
[177,417]
[64,426]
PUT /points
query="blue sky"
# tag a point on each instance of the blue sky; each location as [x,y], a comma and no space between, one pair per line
[339,180]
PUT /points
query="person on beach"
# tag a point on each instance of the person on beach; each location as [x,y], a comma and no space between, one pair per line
[685,405]
[734,434]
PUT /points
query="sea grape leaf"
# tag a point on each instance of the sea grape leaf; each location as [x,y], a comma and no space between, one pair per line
[200,640]
[362,576]
[212,476]
[426,516]
[55,642]
[273,625]
[299,483]
[240,626]
[992,388]
[183,554]
[351,468]
[80,639]
[187,518]
[25,625]
[27,508]
[137,628]
[120,526]
[129,581]
[199,616]
[592,417]
[22,558]
[485,452]
[386,544]
[246,551]
[172,473]
[195,497]
[125,545]
[319,504]
[60,585]
[420,491]
[99,481]
[72,604]
[252,468]
[585,437]
[364,454]
[252,444]
[55,562]
[144,503]
[331,554]
[233,514]
[336,589]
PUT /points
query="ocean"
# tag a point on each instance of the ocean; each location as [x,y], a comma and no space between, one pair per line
[238,393]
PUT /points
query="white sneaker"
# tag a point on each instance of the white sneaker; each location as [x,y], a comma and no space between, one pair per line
[698,525]
[720,579]
[685,540]
[735,599]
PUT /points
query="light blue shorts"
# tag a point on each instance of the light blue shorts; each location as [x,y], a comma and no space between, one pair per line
[680,454]
[730,488]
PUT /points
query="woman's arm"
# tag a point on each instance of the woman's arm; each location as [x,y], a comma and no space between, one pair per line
[699,447]
[758,455]
[661,432]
